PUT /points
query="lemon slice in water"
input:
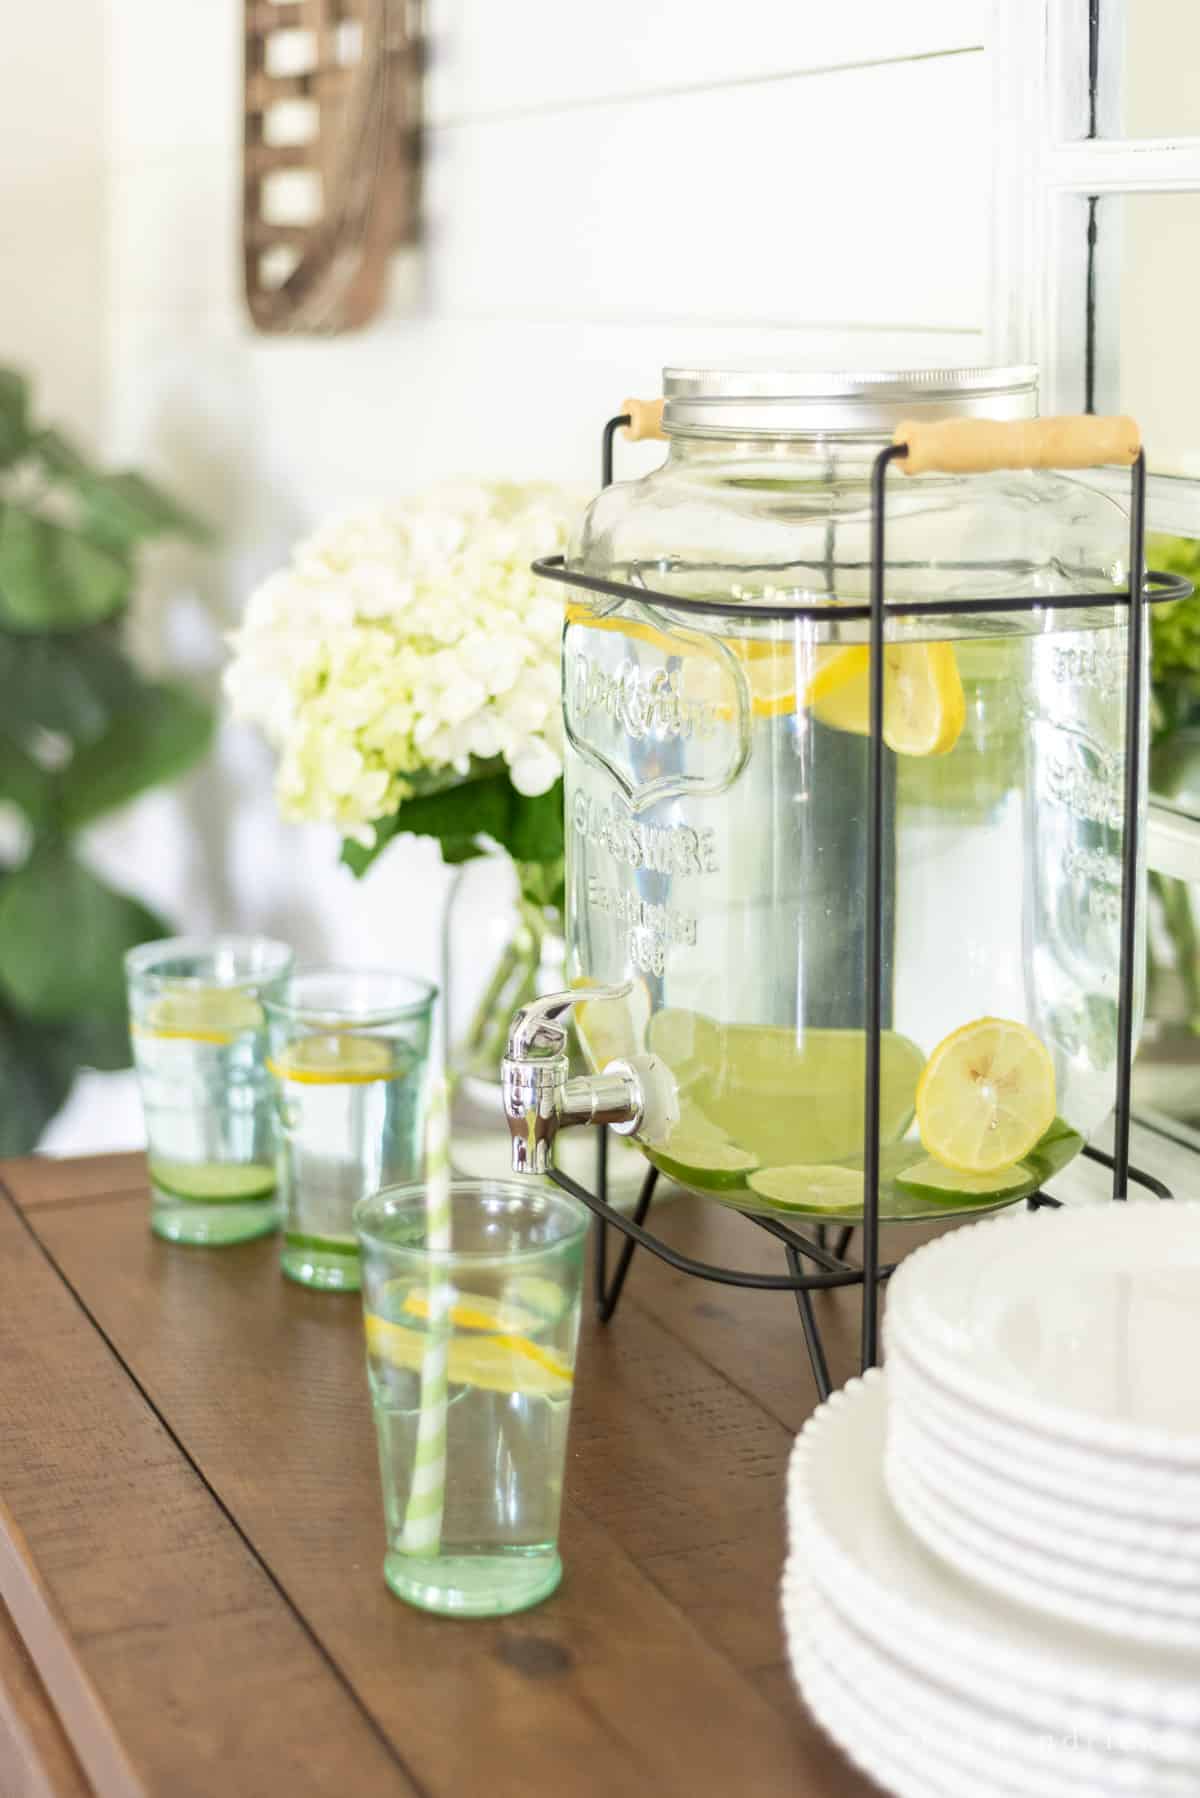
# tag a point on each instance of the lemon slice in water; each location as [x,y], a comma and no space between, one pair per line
[502,1363]
[924,708]
[343,1059]
[986,1096]
[837,668]
[202,1014]
[509,1316]
[770,675]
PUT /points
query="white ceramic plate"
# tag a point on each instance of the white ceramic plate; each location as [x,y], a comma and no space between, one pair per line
[1083,1323]
[1133,1490]
[1011,1755]
[972,1552]
[890,1749]
[1059,1579]
[895,1763]
[998,1500]
[845,1534]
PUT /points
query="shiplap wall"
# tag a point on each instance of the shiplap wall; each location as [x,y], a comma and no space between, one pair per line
[609,188]
[53,208]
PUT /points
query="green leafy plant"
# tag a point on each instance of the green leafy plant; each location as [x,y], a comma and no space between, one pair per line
[1175,765]
[1175,640]
[81,731]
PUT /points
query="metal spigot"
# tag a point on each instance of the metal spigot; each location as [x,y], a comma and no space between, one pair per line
[540,1099]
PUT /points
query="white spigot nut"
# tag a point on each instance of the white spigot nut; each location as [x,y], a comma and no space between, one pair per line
[660,1099]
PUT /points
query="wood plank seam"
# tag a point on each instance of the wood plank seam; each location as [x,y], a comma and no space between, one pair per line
[75,1200]
[136,1789]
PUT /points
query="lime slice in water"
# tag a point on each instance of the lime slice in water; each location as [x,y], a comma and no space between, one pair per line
[202,1014]
[795,1096]
[707,1164]
[344,1059]
[688,1041]
[695,1127]
[214,1182]
[931,1180]
[810,1188]
[502,1363]
[612,1029]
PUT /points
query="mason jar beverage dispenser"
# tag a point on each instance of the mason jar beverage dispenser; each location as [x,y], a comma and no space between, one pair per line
[717,684]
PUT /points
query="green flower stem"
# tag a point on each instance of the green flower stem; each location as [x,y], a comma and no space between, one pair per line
[506,967]
[514,981]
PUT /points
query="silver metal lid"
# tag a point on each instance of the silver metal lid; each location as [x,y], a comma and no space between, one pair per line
[774,402]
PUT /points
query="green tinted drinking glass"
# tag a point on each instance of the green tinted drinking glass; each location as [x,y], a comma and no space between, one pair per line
[471,1337]
[199,1038]
[349,1057]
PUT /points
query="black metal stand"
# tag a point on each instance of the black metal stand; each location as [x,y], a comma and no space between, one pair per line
[830,1269]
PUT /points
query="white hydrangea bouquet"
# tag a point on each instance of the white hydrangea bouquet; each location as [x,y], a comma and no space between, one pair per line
[405,666]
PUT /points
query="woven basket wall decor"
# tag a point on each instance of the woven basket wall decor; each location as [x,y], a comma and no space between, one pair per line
[330,157]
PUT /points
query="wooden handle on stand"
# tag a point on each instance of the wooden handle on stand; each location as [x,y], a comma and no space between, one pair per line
[645,420]
[975,445]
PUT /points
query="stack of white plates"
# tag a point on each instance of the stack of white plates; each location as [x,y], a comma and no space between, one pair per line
[994,1575]
[1045,1412]
[937,1688]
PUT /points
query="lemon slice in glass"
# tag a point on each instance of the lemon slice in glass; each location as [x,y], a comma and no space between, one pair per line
[202,1014]
[924,708]
[815,1188]
[501,1363]
[342,1059]
[986,1096]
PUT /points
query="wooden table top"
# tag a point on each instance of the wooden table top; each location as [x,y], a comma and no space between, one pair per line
[191,1535]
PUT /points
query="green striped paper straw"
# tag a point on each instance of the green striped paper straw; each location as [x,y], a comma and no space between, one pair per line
[423,1518]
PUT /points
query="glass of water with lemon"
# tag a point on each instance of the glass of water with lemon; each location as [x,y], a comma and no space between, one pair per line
[349,1061]
[199,1037]
[471,1332]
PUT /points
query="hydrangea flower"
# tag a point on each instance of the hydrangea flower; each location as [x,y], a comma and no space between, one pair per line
[408,641]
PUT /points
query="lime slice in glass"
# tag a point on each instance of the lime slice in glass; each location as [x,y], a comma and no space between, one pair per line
[930,1179]
[214,1182]
[342,1059]
[202,1014]
[810,1188]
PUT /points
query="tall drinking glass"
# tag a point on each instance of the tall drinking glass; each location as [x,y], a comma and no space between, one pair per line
[199,1038]
[471,1334]
[349,1057]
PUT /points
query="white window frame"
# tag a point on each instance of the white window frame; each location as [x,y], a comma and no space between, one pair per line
[1045,170]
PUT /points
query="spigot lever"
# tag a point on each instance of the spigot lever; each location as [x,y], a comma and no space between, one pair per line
[539,1097]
